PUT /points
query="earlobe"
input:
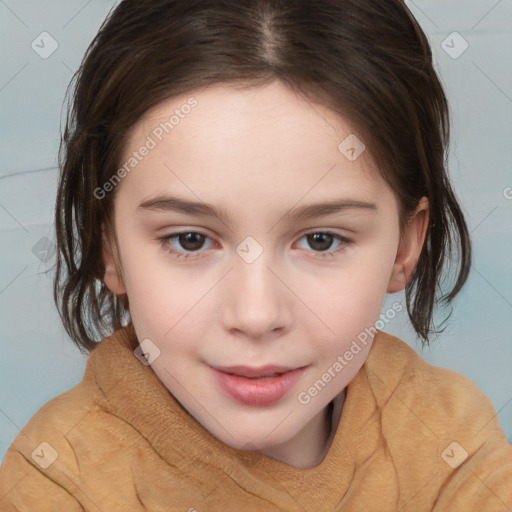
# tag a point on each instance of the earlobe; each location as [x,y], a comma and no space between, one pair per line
[410,247]
[112,277]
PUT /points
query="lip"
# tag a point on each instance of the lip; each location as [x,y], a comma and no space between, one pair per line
[253,372]
[256,386]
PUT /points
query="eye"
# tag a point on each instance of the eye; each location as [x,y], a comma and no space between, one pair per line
[322,242]
[190,242]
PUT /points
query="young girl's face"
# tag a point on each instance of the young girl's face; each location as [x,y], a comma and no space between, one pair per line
[266,277]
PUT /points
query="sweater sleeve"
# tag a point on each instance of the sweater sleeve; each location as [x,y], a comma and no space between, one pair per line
[25,488]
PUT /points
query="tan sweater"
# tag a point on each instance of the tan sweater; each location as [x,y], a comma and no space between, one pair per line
[412,437]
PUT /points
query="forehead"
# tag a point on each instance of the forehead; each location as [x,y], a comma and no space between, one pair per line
[262,140]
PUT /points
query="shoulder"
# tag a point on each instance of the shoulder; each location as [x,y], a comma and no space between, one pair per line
[446,393]
[46,434]
[80,417]
[65,444]
[28,473]
[435,421]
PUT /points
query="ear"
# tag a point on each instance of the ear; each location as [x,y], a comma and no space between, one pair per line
[113,276]
[411,243]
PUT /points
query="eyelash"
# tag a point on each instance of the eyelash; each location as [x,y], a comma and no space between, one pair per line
[165,242]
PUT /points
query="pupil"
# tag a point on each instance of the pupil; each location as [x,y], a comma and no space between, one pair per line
[323,239]
[191,241]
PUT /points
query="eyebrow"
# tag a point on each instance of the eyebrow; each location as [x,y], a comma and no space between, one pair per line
[165,203]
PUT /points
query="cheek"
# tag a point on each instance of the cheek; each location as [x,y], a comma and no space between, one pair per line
[362,283]
[349,301]
[160,293]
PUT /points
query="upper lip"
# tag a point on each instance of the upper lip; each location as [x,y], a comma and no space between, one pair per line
[254,372]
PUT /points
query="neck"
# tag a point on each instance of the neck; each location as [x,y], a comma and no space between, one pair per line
[309,447]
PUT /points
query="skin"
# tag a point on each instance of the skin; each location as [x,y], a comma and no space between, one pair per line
[260,154]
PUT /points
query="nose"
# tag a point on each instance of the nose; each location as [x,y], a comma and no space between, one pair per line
[257,303]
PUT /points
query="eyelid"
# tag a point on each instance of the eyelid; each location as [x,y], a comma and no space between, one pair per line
[311,231]
[183,231]
[327,231]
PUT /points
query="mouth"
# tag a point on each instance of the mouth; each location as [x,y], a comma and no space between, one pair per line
[256,386]
[262,372]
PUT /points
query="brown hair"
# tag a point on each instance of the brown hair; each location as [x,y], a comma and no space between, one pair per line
[367,60]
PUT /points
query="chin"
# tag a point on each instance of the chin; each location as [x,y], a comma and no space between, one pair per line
[255,436]
[258,443]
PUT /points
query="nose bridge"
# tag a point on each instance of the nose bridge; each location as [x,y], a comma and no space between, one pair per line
[257,301]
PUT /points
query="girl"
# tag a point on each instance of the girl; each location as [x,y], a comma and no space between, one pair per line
[242,183]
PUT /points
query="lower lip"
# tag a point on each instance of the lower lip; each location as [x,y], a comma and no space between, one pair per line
[257,391]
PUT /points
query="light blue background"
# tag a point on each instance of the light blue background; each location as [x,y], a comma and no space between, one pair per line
[38,360]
